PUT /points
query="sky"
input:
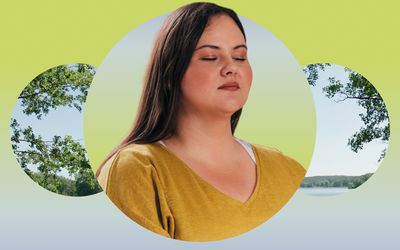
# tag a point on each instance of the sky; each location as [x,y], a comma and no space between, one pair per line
[62,121]
[336,122]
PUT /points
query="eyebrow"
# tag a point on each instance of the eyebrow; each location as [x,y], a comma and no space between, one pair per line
[216,47]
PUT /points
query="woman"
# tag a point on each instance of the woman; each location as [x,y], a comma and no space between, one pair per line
[180,172]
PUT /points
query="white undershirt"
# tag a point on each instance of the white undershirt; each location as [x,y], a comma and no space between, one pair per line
[245,144]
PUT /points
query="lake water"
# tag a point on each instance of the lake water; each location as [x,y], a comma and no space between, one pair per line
[324,191]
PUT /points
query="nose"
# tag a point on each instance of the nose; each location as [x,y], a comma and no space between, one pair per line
[230,68]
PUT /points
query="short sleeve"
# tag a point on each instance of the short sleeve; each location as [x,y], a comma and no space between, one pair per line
[292,168]
[134,187]
[297,171]
[288,171]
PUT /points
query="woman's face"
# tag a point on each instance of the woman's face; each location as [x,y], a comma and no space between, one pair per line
[218,78]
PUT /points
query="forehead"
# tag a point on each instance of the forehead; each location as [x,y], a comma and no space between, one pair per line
[221,29]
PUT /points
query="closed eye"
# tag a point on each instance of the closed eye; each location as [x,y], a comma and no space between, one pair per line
[240,58]
[209,58]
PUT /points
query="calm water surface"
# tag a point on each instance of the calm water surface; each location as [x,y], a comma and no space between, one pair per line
[324,191]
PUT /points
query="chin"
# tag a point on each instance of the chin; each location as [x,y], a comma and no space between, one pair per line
[230,109]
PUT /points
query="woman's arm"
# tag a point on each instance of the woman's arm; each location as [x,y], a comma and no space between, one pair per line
[134,186]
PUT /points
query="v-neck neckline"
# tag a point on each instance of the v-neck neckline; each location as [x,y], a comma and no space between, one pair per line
[227,197]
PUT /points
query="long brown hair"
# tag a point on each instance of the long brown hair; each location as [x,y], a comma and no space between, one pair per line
[175,43]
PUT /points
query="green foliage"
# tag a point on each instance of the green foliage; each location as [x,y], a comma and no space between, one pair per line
[350,182]
[375,116]
[57,184]
[65,85]
[60,86]
[86,183]
[312,72]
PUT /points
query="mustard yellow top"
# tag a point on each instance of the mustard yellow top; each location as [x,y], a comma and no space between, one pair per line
[157,190]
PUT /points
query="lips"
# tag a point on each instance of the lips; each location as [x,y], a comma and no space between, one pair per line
[230,86]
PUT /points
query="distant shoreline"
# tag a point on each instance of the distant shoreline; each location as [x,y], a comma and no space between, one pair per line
[335,181]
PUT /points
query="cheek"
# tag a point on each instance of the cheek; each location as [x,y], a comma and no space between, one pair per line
[248,76]
[194,84]
[198,76]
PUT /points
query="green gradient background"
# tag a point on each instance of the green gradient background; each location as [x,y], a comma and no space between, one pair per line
[279,112]
[362,35]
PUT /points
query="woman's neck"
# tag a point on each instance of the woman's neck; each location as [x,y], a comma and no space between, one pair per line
[202,136]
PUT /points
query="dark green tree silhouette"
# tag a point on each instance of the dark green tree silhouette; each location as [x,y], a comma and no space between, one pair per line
[335,181]
[65,85]
[375,116]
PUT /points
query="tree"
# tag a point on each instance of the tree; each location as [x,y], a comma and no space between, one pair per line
[312,73]
[65,85]
[375,116]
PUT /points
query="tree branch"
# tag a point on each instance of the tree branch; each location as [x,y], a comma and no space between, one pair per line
[27,152]
[358,98]
[50,141]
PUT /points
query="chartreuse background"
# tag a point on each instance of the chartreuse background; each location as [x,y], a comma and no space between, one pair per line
[38,35]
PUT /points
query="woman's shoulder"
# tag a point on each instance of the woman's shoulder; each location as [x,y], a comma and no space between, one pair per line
[134,155]
[276,159]
[139,151]
[128,159]
[267,151]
